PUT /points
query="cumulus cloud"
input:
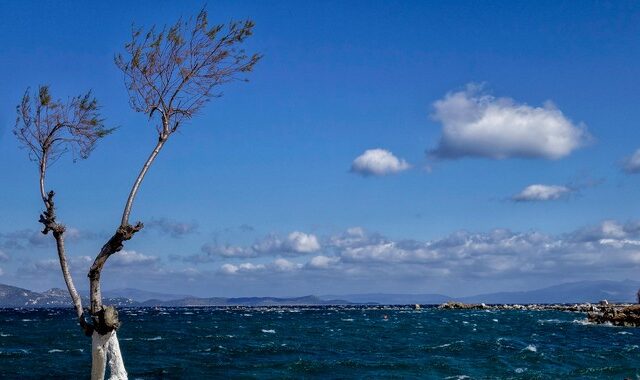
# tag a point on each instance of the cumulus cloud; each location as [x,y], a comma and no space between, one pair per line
[322,262]
[3,256]
[538,192]
[498,254]
[296,243]
[215,250]
[126,258]
[631,164]
[476,124]
[172,228]
[378,162]
[300,242]
[240,268]
[285,265]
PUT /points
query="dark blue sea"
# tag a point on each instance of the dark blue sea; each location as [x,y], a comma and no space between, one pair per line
[325,343]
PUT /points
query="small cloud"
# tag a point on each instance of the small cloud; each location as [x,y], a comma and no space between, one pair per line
[212,250]
[295,243]
[173,228]
[3,256]
[241,268]
[631,164]
[132,258]
[533,193]
[476,124]
[322,262]
[285,265]
[378,162]
[300,242]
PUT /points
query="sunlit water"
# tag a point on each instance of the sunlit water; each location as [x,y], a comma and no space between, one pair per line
[325,342]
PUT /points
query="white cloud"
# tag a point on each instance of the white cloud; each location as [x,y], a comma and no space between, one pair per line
[3,256]
[612,229]
[295,243]
[241,268]
[322,262]
[131,258]
[302,243]
[213,250]
[540,192]
[378,162]
[480,125]
[285,265]
[632,163]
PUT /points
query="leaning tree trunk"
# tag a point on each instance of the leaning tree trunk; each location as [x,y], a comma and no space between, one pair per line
[105,347]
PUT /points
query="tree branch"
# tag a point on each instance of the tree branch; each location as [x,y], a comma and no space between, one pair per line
[136,185]
[48,220]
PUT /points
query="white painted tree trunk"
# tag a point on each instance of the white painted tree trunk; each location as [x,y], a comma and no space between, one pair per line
[106,349]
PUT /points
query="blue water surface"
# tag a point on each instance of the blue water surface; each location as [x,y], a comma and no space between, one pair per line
[325,342]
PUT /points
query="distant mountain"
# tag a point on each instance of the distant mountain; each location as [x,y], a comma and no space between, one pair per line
[391,299]
[574,292]
[142,295]
[14,297]
[245,301]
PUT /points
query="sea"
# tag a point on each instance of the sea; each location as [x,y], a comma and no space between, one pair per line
[368,342]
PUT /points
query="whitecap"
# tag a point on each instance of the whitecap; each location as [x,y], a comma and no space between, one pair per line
[531,348]
[495,320]
[347,319]
[268,331]
[520,370]
[621,333]
[55,350]
[154,338]
[4,334]
[448,344]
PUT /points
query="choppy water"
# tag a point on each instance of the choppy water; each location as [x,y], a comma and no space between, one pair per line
[325,342]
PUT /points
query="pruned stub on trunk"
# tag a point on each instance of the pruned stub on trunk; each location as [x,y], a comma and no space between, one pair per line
[106,320]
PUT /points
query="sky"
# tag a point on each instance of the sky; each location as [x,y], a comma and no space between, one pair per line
[379,146]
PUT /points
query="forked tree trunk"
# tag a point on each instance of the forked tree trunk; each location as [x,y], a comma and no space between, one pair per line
[105,349]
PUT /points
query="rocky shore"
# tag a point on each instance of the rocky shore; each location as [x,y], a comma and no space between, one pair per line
[601,313]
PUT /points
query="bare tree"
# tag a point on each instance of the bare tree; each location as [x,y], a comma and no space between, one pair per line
[170,75]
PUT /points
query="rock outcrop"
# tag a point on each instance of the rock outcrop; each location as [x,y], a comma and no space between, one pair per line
[617,316]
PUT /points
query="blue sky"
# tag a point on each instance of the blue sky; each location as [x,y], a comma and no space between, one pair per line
[450,147]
